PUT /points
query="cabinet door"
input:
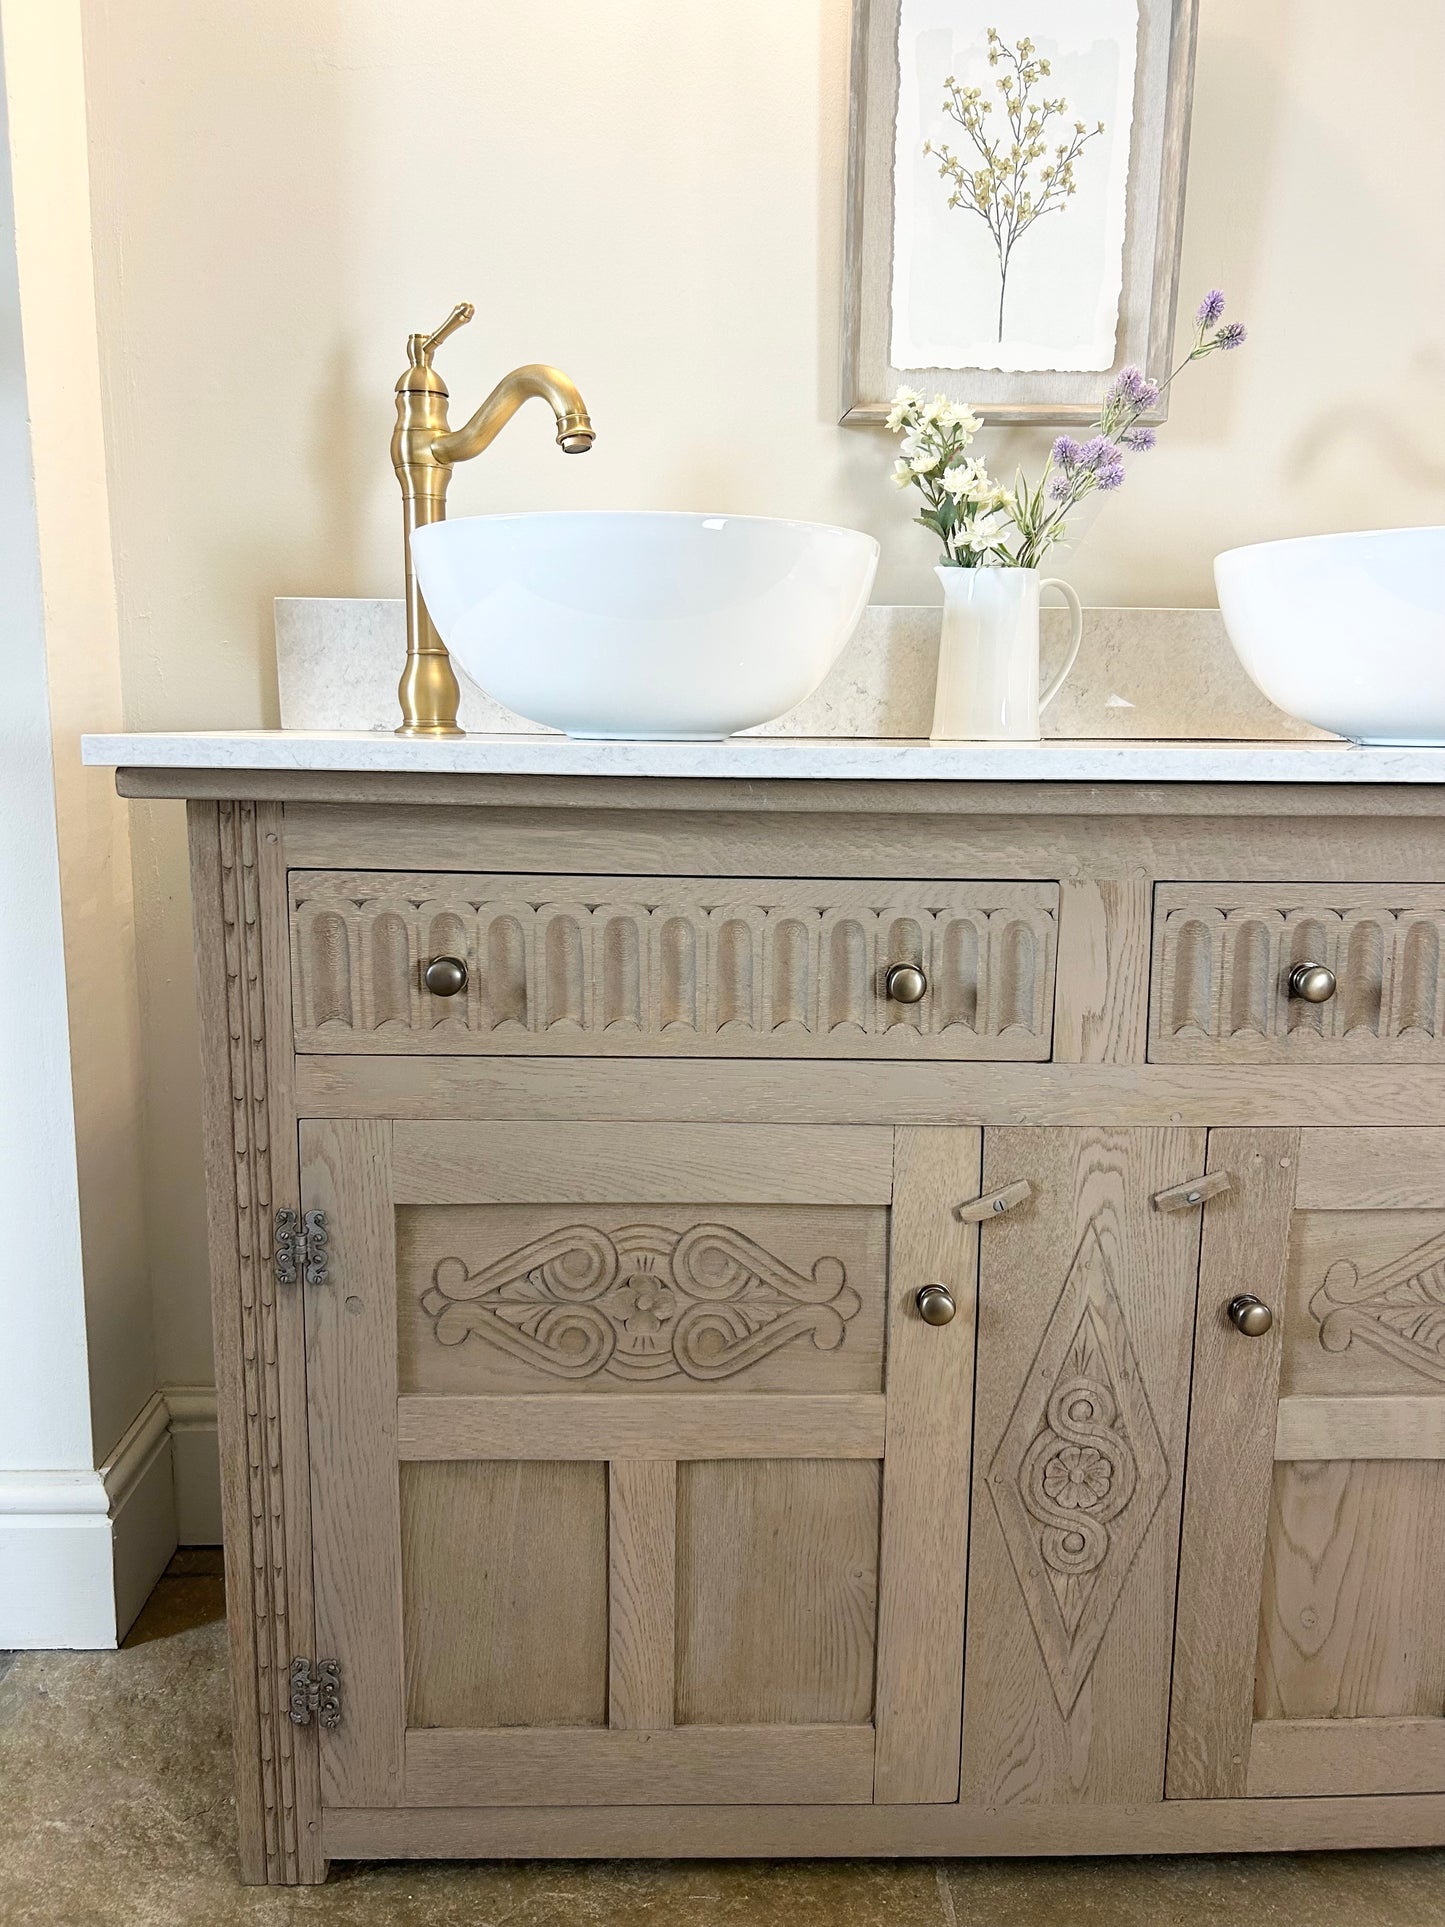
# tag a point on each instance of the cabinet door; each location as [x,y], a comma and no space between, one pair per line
[1086,1308]
[1311,1641]
[637,1475]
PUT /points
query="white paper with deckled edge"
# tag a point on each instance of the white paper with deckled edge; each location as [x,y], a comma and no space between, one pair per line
[1066,272]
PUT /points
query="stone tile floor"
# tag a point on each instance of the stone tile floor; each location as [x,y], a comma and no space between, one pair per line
[115,1808]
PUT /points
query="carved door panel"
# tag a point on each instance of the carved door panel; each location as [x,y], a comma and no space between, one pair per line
[637,1477]
[1311,1640]
[1086,1307]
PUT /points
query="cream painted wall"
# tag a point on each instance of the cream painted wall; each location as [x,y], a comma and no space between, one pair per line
[650,193]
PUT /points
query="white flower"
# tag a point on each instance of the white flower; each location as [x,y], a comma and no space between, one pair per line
[963,479]
[903,413]
[902,474]
[925,461]
[939,411]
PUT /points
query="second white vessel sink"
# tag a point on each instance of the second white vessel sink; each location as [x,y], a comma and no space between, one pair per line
[644,625]
[1344,631]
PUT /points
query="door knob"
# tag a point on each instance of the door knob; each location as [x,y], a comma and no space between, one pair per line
[1315,982]
[445,976]
[905,983]
[935,1304]
[1250,1315]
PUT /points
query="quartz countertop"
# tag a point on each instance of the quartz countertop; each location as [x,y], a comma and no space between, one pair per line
[754,758]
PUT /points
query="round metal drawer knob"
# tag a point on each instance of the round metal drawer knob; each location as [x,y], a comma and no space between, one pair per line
[935,1305]
[1314,982]
[1250,1315]
[905,984]
[445,976]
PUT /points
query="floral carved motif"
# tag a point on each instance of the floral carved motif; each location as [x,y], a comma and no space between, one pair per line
[1079,1473]
[644,1302]
[1398,1309]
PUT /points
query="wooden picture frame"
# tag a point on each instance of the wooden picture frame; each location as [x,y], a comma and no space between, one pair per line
[1158,156]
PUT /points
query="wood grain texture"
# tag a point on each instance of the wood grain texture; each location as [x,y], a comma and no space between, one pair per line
[473,1163]
[249,1132]
[586,1766]
[864,1094]
[504,1593]
[777,1592]
[641,1592]
[1401,1427]
[1387,1170]
[799,1832]
[355,1515]
[631,966]
[925,1471]
[1292,1758]
[1101,1012]
[1223,954]
[1085,1314]
[1245,1244]
[1350,1610]
[639,1298]
[657,1425]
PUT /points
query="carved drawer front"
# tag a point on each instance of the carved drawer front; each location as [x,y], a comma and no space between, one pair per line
[646,967]
[1223,954]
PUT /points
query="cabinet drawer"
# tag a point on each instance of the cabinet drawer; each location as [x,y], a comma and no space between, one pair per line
[1223,953]
[671,966]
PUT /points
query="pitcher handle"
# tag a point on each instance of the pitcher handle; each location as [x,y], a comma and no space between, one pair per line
[1077,612]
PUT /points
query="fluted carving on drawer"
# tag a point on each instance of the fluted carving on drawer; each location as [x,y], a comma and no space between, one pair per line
[637,966]
[1223,955]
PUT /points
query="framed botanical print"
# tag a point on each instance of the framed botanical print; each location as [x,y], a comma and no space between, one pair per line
[1016,186]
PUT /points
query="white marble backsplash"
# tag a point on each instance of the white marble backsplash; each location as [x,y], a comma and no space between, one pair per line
[1154,673]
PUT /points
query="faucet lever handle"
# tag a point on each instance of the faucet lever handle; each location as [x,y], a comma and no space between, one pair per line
[421,346]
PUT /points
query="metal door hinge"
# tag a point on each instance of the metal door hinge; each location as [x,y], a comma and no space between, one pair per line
[316,1692]
[301,1245]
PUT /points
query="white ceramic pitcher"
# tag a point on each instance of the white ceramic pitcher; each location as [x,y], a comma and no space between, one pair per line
[988,657]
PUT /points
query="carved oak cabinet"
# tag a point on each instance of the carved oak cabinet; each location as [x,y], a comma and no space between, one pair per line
[825,1317]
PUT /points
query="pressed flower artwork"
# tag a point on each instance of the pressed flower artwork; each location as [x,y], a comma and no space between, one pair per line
[1011,182]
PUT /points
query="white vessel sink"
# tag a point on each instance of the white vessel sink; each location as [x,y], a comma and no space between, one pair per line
[1344,631]
[644,625]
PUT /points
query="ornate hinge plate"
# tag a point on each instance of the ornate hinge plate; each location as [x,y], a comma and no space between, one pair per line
[316,1692]
[301,1245]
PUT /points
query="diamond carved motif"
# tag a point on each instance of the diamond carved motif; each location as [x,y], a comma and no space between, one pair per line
[1398,1309]
[1079,1472]
[644,1302]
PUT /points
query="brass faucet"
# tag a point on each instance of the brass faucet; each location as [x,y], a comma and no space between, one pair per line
[423,450]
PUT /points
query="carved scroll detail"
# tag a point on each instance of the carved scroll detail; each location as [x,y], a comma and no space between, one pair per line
[641,1303]
[1079,1473]
[1398,1309]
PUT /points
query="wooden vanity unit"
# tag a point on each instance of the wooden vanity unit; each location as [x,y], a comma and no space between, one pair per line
[596,1480]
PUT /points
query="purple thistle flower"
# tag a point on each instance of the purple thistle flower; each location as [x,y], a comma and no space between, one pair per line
[1111,475]
[1099,452]
[1067,452]
[1140,440]
[1132,388]
[1232,335]
[1210,308]
[1061,486]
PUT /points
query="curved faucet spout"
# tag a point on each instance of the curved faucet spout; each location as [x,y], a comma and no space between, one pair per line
[574,428]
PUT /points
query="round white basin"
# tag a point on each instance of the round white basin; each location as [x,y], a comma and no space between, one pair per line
[1344,631]
[644,625]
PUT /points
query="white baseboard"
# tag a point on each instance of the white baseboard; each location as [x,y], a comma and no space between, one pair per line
[80,1551]
[197,1463]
